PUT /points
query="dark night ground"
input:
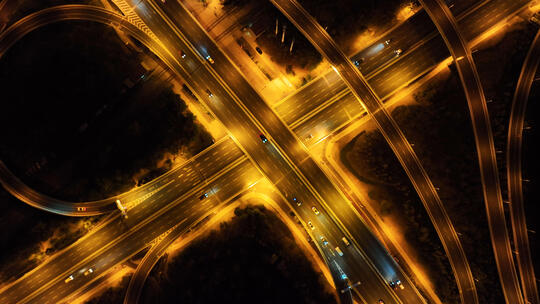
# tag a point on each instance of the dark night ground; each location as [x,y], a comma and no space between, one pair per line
[67,108]
[251,259]
[440,129]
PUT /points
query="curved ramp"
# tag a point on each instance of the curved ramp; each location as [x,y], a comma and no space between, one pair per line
[514,173]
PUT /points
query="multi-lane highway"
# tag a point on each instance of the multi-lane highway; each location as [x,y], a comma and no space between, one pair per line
[514,174]
[395,138]
[282,158]
[281,151]
[178,203]
[489,174]
[47,281]
[326,104]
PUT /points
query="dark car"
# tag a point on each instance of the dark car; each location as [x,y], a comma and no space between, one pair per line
[396,285]
[263,138]
[359,61]
[203,196]
[258,49]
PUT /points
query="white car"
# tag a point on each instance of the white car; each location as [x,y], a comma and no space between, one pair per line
[310,225]
[89,271]
[398,52]
[69,279]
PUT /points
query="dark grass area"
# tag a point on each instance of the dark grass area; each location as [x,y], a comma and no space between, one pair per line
[251,259]
[72,127]
[25,228]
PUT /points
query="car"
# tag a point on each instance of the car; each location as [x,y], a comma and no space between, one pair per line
[396,284]
[338,250]
[344,276]
[203,196]
[210,59]
[182,54]
[263,138]
[387,42]
[324,241]
[69,279]
[89,271]
[81,208]
[209,93]
[380,301]
[315,210]
[345,241]
[310,225]
[310,136]
[258,49]
[298,203]
[359,61]
[398,52]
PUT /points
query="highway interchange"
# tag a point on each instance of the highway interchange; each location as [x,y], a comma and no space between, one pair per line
[283,160]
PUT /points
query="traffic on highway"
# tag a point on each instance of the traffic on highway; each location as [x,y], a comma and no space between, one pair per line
[272,143]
